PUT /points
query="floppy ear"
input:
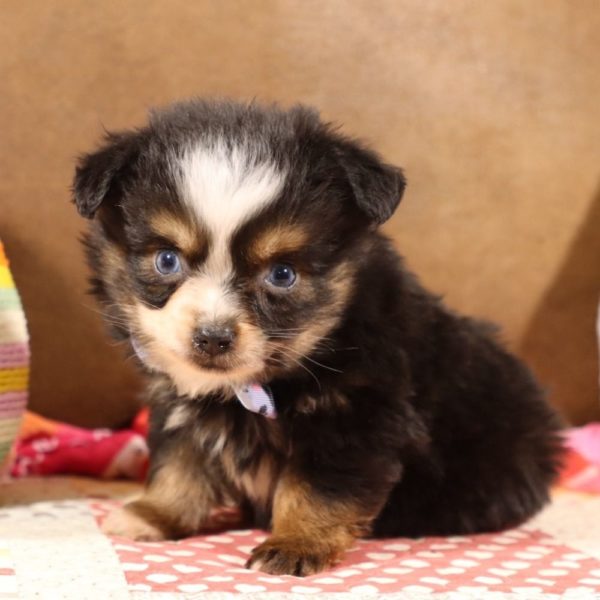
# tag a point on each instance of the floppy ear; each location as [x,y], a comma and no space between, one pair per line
[99,175]
[377,186]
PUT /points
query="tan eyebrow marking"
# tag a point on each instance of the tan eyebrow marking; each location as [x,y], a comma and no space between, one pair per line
[278,239]
[185,235]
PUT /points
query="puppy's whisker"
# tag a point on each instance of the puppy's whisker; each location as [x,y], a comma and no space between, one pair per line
[322,365]
[117,323]
[111,318]
[302,356]
[130,356]
[321,344]
[290,333]
[312,360]
[117,343]
[307,370]
[277,361]
[299,363]
[150,305]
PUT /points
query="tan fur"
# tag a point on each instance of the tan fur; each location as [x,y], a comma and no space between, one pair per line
[127,523]
[113,259]
[278,240]
[178,417]
[213,439]
[332,401]
[326,318]
[165,336]
[259,483]
[183,233]
[114,272]
[309,532]
[178,500]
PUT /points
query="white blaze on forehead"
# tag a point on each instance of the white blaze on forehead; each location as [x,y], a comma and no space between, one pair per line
[225,187]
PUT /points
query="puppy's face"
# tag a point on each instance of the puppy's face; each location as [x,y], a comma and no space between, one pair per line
[226,237]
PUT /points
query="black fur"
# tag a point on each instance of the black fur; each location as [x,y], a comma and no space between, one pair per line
[415,414]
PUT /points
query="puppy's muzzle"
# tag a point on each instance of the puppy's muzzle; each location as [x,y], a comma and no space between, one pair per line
[214,340]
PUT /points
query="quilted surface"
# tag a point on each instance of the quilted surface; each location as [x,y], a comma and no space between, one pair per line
[57,545]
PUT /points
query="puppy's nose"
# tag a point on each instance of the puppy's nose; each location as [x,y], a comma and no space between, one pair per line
[214,340]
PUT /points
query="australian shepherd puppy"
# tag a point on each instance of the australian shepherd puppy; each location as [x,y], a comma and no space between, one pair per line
[296,369]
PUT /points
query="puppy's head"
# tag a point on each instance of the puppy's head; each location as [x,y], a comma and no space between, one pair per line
[225,236]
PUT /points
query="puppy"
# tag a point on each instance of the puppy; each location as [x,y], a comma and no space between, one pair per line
[296,369]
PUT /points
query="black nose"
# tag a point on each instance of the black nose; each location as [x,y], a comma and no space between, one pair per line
[214,340]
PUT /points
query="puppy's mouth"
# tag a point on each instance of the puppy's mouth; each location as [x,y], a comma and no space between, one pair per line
[214,364]
[274,362]
[260,369]
[195,372]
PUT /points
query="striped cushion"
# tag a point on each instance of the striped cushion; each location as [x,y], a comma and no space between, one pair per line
[14,360]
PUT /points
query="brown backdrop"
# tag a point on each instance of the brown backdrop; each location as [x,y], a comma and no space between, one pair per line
[491,107]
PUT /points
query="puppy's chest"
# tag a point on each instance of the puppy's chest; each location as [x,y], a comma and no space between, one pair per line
[251,451]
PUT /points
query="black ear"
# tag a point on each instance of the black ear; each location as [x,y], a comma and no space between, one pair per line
[99,175]
[377,186]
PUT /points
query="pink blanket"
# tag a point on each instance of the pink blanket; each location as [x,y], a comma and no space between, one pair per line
[59,546]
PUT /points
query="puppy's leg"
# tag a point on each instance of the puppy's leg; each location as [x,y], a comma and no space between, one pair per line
[310,532]
[178,500]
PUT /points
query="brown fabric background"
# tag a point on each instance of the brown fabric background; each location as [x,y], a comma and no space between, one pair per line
[491,107]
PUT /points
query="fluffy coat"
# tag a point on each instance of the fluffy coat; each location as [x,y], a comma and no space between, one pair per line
[396,416]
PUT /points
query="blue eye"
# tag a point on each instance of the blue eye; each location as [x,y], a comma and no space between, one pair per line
[282,276]
[167,262]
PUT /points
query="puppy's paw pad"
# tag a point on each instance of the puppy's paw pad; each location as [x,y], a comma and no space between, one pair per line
[289,557]
[125,523]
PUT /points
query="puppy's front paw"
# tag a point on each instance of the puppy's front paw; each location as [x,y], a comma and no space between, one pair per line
[126,523]
[289,556]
